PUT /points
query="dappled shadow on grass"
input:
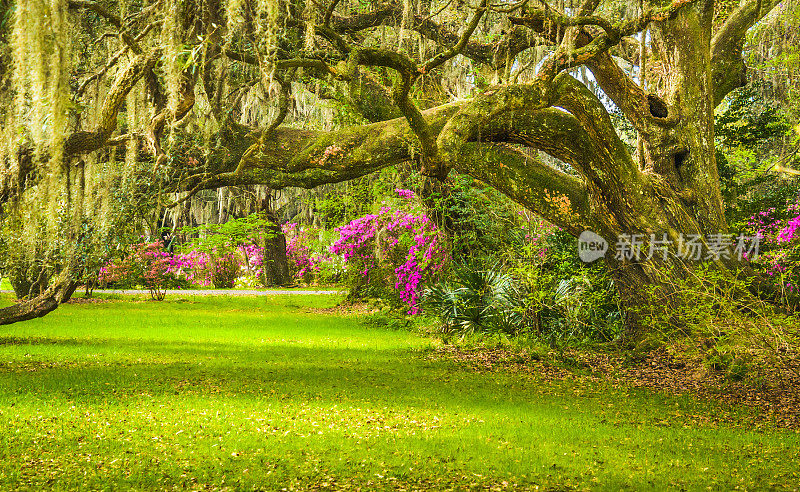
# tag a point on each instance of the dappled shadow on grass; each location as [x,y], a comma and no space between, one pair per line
[125,369]
[89,370]
[34,341]
[130,368]
[323,401]
[287,406]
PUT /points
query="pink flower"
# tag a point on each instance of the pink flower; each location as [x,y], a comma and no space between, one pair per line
[408,240]
[407,194]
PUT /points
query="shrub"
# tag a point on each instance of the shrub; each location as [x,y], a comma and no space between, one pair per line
[391,253]
[478,301]
[306,252]
[573,301]
[736,333]
[225,270]
[146,265]
[779,258]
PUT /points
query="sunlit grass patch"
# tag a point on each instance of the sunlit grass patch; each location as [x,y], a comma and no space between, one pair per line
[261,393]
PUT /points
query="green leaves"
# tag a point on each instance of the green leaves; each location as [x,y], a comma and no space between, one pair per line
[484,300]
[219,239]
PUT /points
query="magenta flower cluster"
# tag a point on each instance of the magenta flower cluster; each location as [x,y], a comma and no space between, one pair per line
[407,194]
[780,244]
[303,261]
[409,242]
[193,266]
[788,233]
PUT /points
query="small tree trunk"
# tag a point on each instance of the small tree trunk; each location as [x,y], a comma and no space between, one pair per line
[29,282]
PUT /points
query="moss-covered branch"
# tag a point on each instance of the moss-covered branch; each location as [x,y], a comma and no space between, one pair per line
[301,158]
[83,142]
[560,198]
[112,18]
[727,65]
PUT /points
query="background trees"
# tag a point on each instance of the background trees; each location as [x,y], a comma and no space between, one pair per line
[166,99]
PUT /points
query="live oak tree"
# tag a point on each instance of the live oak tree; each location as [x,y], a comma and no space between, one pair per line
[227,93]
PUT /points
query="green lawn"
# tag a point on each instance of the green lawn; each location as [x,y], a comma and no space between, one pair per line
[259,393]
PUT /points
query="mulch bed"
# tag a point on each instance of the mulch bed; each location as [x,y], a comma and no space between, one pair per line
[658,370]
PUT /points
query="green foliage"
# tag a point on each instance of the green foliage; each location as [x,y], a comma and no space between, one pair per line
[225,238]
[479,220]
[116,216]
[750,121]
[221,242]
[338,208]
[738,334]
[576,302]
[557,300]
[355,198]
[752,133]
[24,255]
[478,301]
[550,293]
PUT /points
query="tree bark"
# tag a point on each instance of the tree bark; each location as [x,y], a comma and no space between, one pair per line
[39,306]
[275,264]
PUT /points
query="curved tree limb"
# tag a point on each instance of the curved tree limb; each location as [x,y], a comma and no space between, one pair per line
[113,19]
[727,66]
[184,104]
[642,109]
[307,159]
[111,62]
[462,42]
[546,191]
[83,142]
[39,306]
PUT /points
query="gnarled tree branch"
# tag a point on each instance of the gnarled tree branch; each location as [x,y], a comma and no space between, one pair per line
[83,142]
[727,65]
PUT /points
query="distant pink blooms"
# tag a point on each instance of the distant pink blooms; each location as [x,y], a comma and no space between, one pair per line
[788,233]
[299,250]
[781,242]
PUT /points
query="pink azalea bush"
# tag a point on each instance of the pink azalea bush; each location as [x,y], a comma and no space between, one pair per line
[192,266]
[146,265]
[780,245]
[253,259]
[394,246]
[398,247]
[406,194]
[306,257]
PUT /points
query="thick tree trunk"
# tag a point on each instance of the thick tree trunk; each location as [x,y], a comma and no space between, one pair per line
[275,266]
[679,192]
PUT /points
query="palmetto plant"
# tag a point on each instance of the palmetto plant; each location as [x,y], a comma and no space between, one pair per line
[477,300]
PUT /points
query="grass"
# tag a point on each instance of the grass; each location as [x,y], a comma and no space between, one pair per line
[260,393]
